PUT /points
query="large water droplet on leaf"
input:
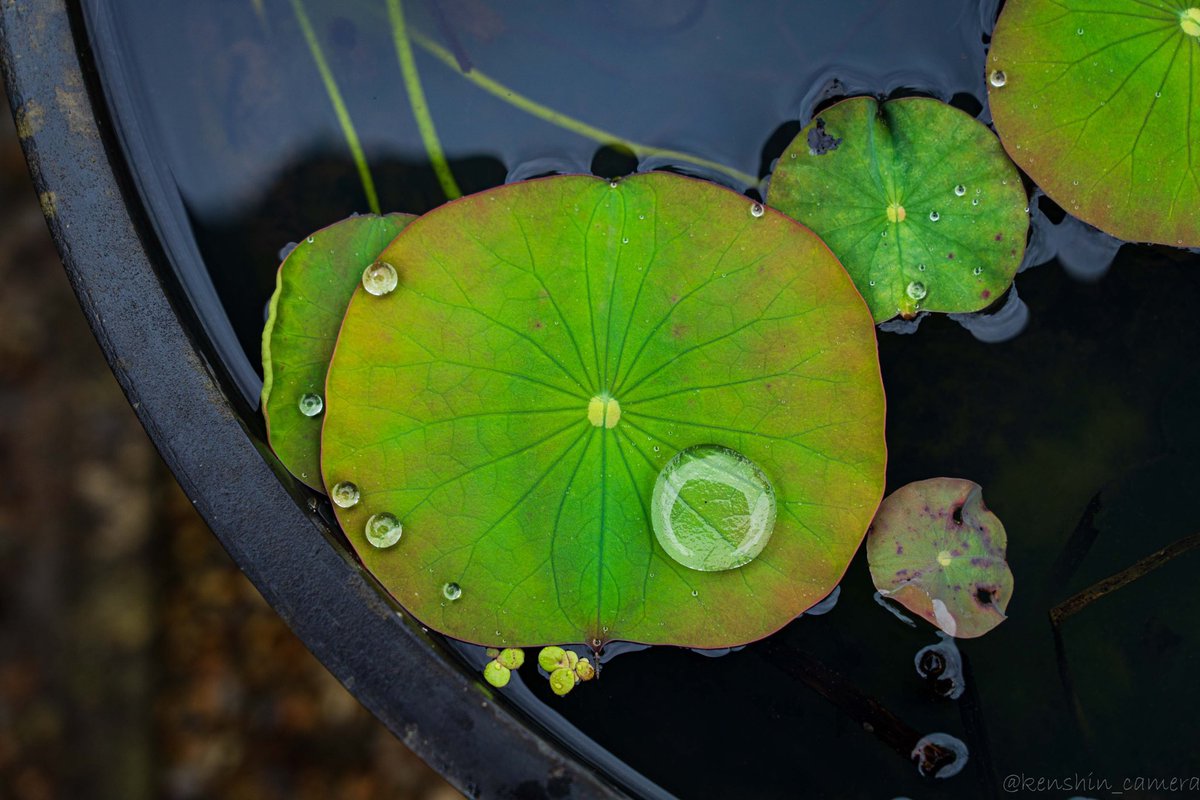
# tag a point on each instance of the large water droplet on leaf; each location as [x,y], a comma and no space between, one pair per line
[713,509]
[311,404]
[380,278]
[344,494]
[383,529]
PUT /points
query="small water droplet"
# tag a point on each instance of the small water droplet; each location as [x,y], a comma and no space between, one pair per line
[641,216]
[383,529]
[1079,31]
[757,210]
[612,184]
[998,78]
[311,404]
[310,240]
[1158,94]
[738,502]
[380,278]
[344,494]
[978,270]
[452,591]
[921,267]
[974,201]
[960,190]
[916,290]
[871,283]
[695,593]
[934,216]
[656,448]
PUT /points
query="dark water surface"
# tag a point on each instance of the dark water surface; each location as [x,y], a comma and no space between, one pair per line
[1080,425]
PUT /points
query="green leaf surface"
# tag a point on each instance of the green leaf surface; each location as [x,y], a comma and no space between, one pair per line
[916,198]
[936,549]
[551,346]
[314,284]
[1098,101]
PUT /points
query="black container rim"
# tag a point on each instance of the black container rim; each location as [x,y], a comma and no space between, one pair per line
[116,269]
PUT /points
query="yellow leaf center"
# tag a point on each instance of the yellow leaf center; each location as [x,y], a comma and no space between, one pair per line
[604,411]
[1189,20]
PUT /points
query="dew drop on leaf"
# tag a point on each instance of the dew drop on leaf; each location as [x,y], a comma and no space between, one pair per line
[344,494]
[934,216]
[960,190]
[380,278]
[311,404]
[712,509]
[916,290]
[452,591]
[998,78]
[757,210]
[383,529]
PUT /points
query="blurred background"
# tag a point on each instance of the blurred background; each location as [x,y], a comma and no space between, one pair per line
[135,659]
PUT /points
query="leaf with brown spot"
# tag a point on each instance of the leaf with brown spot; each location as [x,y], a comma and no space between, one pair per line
[936,549]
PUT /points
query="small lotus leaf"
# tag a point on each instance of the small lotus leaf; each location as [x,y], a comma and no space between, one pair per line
[551,346]
[1097,101]
[916,198]
[313,286]
[939,552]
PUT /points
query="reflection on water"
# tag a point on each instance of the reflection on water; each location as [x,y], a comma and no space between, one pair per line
[1049,399]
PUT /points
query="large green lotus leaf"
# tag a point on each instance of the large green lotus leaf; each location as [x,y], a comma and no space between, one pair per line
[313,286]
[551,346]
[936,549]
[915,197]
[1097,101]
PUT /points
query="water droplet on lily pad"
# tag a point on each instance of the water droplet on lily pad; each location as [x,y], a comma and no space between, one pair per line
[380,278]
[452,591]
[757,210]
[934,216]
[960,190]
[383,529]
[998,78]
[344,494]
[311,404]
[712,509]
[916,290]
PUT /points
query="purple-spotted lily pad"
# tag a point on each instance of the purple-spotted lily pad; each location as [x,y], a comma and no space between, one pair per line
[936,549]
[915,197]
[551,346]
[1097,101]
[314,285]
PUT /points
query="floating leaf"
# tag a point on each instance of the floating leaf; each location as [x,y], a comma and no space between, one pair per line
[1096,100]
[915,197]
[314,285]
[551,346]
[939,552]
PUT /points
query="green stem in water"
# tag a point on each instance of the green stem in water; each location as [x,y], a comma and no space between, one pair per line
[339,105]
[569,123]
[416,99]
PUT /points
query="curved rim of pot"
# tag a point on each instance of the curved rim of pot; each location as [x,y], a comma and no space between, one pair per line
[110,254]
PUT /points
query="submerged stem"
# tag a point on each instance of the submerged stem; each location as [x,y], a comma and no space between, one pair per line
[547,114]
[339,105]
[416,99]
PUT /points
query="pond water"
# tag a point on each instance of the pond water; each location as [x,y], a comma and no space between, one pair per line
[1071,405]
